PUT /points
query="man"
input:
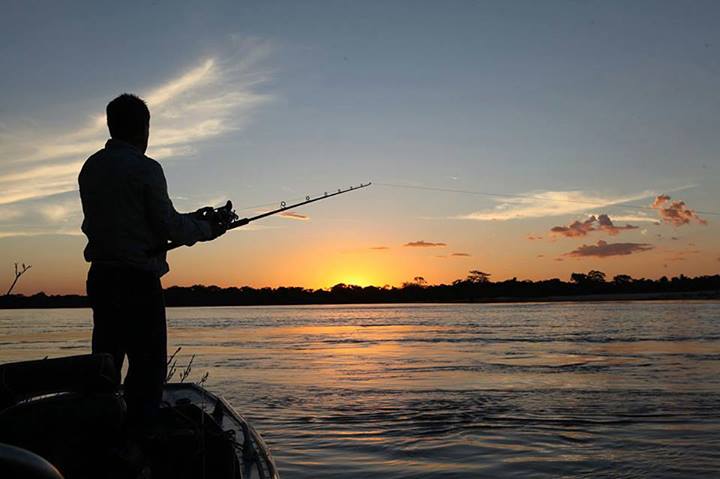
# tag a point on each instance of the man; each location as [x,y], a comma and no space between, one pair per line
[128,216]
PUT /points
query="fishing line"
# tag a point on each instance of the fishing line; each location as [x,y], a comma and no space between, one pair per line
[533,197]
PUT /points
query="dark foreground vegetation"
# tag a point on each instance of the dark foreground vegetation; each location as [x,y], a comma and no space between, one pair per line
[477,287]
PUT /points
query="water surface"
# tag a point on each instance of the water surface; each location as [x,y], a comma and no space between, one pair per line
[623,389]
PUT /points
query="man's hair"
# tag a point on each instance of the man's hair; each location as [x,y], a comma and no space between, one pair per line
[127,117]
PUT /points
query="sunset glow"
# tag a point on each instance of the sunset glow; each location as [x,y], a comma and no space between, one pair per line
[360,238]
[511,157]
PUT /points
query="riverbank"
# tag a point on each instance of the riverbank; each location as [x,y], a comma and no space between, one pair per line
[42,301]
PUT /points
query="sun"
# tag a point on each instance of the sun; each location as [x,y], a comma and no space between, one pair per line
[356,277]
[354,280]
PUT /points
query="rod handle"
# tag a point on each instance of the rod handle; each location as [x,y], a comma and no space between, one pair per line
[238,223]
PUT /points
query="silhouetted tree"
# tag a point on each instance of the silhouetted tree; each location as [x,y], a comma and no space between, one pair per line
[596,276]
[477,287]
[476,276]
[622,279]
[19,271]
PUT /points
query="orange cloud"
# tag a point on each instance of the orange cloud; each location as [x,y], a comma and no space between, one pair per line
[605,224]
[675,212]
[294,216]
[533,238]
[423,244]
[460,254]
[576,228]
[603,249]
[681,255]
[599,223]
[379,247]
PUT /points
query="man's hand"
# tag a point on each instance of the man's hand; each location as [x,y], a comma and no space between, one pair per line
[203,213]
[219,219]
[217,228]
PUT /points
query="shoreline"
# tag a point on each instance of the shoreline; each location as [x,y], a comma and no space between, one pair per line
[79,302]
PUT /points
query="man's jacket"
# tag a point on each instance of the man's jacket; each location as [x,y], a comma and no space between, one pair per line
[128,212]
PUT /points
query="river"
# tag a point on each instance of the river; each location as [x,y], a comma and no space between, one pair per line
[610,389]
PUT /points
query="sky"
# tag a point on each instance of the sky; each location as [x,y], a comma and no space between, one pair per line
[594,123]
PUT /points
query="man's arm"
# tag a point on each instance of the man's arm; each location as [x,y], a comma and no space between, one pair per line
[178,227]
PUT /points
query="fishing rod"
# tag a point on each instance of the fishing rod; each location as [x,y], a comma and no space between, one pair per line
[227,215]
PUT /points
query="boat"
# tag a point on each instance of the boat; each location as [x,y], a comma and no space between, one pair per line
[65,418]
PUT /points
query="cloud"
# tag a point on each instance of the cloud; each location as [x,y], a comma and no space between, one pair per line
[423,244]
[38,182]
[605,224]
[215,96]
[534,238]
[549,203]
[41,232]
[637,217]
[576,228]
[680,255]
[675,212]
[600,223]
[58,214]
[604,249]
[460,254]
[294,216]
[379,247]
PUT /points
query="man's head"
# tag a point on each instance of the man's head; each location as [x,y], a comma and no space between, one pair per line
[128,119]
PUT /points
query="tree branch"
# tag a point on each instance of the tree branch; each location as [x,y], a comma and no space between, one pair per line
[18,272]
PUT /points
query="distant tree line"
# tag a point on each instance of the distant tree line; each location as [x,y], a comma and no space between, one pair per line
[476,287]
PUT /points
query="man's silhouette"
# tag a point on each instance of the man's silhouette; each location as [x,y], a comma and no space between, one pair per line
[128,214]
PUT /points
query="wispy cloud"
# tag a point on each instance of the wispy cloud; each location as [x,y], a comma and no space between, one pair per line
[460,254]
[38,182]
[294,216]
[41,232]
[423,244]
[680,255]
[549,203]
[380,248]
[603,249]
[58,214]
[214,97]
[638,217]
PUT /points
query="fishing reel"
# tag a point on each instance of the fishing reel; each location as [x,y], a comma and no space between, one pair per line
[225,214]
[219,218]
